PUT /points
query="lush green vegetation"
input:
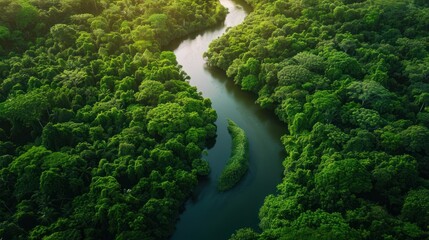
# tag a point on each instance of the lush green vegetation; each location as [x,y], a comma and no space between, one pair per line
[237,164]
[100,134]
[351,80]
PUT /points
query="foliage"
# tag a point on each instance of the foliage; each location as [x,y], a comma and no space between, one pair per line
[100,134]
[350,79]
[237,164]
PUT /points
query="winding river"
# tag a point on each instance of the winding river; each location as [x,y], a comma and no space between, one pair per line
[211,214]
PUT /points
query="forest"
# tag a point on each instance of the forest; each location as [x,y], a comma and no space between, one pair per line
[350,78]
[100,133]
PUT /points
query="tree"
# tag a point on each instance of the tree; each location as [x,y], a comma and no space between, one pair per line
[373,94]
[52,184]
[416,139]
[311,62]
[244,234]
[393,178]
[250,83]
[4,33]
[56,136]
[416,207]
[365,118]
[26,16]
[247,75]
[340,63]
[201,166]
[321,224]
[324,107]
[71,234]
[339,182]
[159,22]
[294,75]
[25,108]
[166,119]
[360,141]
[64,35]
[118,218]
[149,92]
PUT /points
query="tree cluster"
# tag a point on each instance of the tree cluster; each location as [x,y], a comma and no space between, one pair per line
[100,133]
[350,78]
[238,163]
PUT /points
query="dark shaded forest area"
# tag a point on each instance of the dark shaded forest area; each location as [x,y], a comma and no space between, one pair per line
[351,80]
[100,134]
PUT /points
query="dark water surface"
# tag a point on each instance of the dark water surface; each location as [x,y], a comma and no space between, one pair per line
[210,214]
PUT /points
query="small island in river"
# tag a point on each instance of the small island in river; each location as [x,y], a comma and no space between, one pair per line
[238,162]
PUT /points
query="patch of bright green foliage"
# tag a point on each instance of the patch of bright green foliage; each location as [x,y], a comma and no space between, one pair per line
[238,162]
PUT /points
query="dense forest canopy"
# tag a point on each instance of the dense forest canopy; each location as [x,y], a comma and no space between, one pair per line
[100,134]
[351,80]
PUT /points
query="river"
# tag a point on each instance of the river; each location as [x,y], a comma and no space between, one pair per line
[211,214]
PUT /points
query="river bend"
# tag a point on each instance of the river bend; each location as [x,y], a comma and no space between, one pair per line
[210,214]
